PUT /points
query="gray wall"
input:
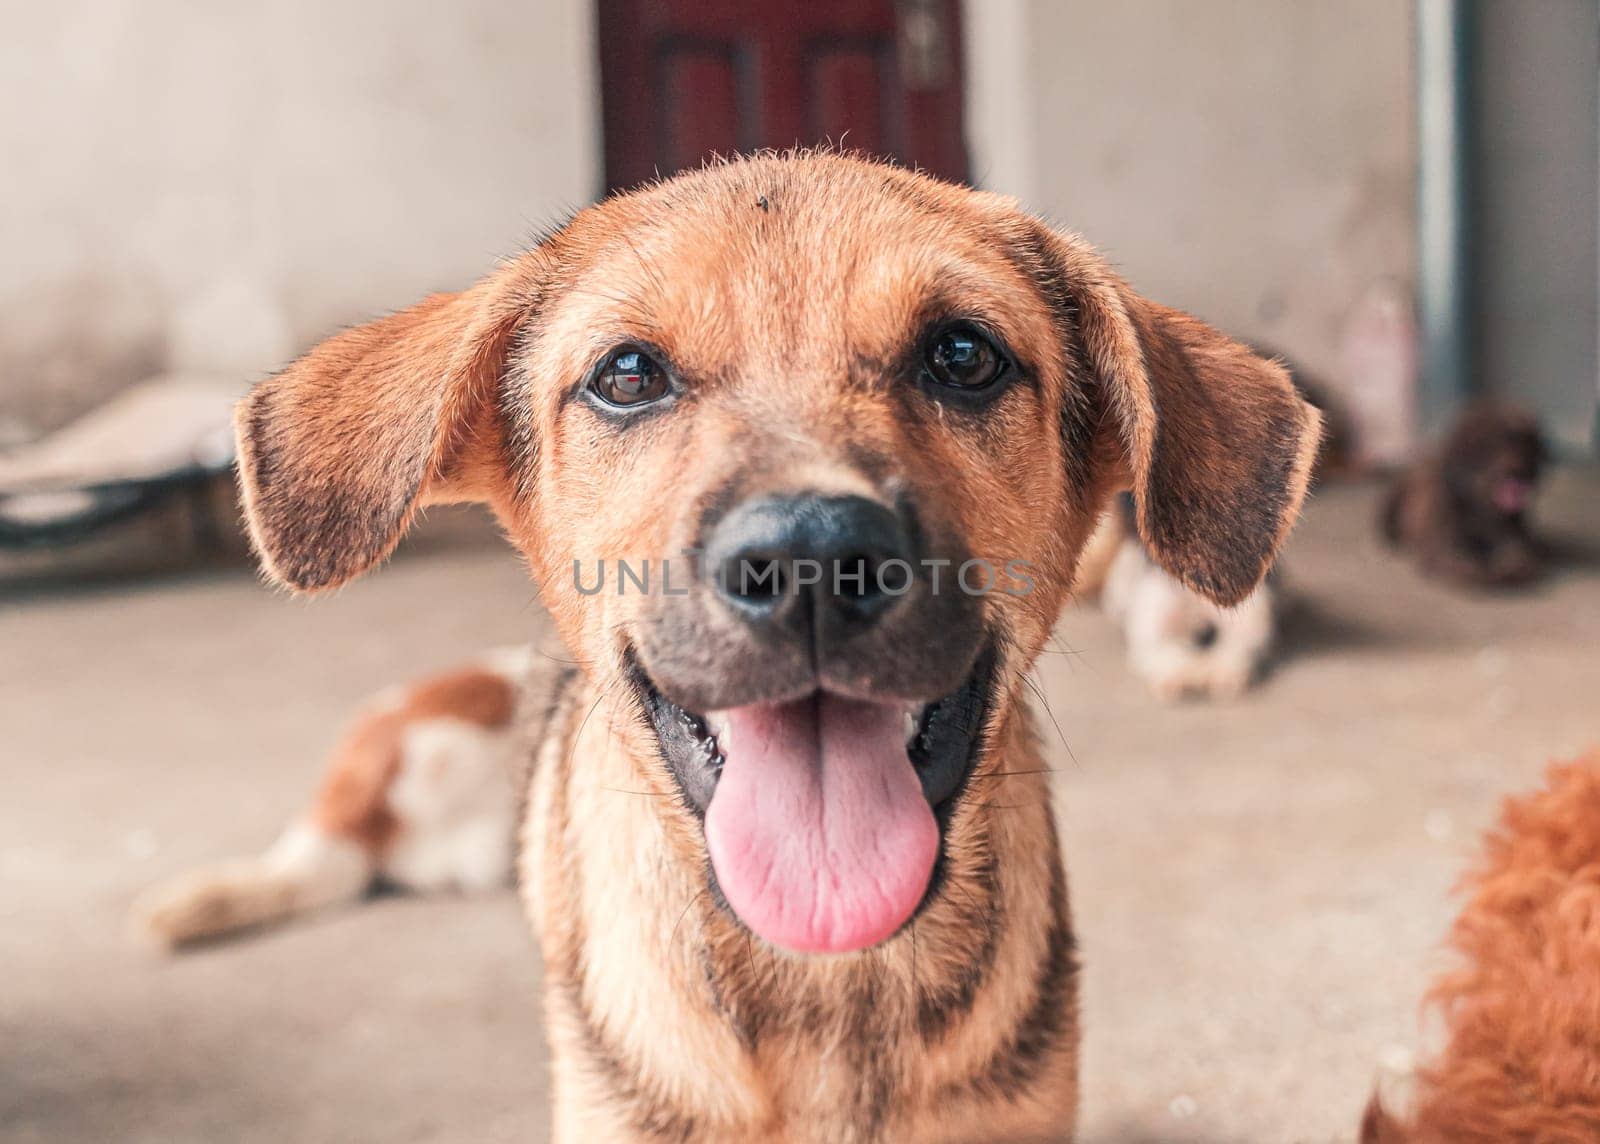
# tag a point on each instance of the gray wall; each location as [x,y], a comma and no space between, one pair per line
[175,170]
[1248,160]
[215,185]
[1537,249]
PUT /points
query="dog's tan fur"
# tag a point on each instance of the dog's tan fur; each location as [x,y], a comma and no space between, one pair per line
[787,290]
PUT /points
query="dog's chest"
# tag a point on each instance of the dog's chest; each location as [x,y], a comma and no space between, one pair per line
[847,1084]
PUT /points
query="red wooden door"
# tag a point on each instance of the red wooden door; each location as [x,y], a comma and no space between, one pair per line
[681,79]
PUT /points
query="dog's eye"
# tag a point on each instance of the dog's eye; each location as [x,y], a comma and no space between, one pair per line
[963,358]
[629,378]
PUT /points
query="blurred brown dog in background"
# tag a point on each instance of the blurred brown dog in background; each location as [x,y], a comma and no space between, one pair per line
[1522,1013]
[1463,510]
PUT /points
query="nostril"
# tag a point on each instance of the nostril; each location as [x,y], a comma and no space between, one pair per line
[858,580]
[756,578]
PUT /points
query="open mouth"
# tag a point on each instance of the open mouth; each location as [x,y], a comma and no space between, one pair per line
[823,815]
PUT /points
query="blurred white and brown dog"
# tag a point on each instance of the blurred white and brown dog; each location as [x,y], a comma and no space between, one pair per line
[1180,644]
[420,793]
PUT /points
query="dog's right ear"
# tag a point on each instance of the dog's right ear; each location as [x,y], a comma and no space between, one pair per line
[338,451]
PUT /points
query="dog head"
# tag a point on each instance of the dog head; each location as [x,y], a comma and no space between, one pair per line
[1493,458]
[802,450]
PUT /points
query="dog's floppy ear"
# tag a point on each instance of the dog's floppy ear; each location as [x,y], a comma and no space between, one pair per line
[1217,444]
[338,451]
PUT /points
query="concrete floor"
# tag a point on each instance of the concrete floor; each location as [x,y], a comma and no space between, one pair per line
[1259,887]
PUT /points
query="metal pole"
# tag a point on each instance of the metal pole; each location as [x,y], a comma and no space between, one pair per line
[1444,271]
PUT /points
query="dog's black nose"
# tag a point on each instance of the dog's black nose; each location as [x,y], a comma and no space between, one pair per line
[811,565]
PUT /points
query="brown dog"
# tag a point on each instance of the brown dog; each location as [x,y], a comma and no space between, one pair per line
[1463,510]
[789,847]
[1523,1010]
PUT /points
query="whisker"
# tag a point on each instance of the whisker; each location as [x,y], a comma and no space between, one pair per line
[1038,692]
[687,905]
[1054,646]
[1074,656]
[599,699]
[640,793]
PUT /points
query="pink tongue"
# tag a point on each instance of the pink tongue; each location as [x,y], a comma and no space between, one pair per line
[818,831]
[1512,495]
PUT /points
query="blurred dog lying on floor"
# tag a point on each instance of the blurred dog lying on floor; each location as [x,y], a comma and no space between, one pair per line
[788,841]
[1180,644]
[419,794]
[1521,1063]
[1462,511]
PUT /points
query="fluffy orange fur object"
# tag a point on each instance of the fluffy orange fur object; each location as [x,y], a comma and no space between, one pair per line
[1522,1062]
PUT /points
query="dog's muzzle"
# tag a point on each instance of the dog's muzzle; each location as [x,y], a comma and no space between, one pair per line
[820,704]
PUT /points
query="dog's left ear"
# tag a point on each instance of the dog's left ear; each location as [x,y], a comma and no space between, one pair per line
[1216,444]
[338,451]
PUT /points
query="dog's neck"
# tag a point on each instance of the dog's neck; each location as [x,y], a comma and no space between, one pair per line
[971,994]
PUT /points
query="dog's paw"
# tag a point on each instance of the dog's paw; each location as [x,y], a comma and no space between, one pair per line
[1170,687]
[1177,671]
[1514,564]
[1226,679]
[188,908]
[1172,672]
